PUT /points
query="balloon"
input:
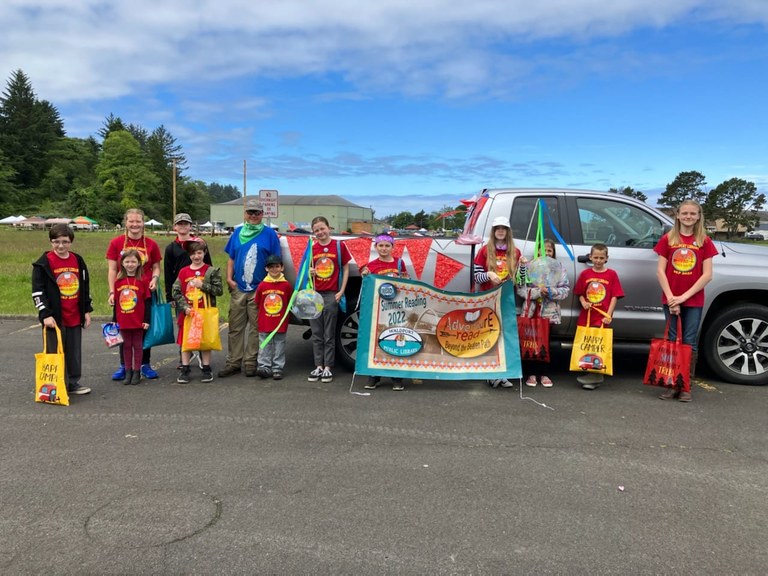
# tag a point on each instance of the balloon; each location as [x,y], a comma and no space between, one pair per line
[543,271]
[308,305]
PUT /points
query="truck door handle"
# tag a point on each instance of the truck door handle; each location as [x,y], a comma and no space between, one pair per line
[584,258]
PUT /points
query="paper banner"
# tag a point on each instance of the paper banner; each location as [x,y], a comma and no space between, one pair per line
[418,250]
[445,270]
[297,245]
[360,248]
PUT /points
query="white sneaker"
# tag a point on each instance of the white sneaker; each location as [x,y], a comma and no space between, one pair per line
[315,375]
[326,376]
[506,383]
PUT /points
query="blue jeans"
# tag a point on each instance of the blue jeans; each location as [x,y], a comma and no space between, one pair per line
[691,318]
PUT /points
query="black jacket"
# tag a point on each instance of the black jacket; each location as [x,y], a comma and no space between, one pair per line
[46,295]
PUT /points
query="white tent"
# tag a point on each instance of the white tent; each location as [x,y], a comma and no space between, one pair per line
[153,223]
[206,225]
[12,219]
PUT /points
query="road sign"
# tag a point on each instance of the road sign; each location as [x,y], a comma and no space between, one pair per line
[268,199]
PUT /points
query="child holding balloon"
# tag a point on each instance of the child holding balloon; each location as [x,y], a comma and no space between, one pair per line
[545,285]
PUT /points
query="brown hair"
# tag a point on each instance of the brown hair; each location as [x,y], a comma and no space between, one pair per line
[59,230]
[126,254]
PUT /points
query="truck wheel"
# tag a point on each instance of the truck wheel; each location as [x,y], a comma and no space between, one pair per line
[735,345]
[346,338]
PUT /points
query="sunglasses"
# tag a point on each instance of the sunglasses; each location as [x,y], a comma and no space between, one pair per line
[254,212]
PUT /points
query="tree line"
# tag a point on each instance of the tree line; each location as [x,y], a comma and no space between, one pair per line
[45,172]
[734,202]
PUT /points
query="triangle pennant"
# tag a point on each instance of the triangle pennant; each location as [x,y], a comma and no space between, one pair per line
[446,270]
[418,250]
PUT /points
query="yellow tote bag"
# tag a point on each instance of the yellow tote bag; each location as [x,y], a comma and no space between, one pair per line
[50,374]
[211,339]
[201,328]
[592,349]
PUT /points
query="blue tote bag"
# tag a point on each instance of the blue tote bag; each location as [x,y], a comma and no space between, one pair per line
[160,322]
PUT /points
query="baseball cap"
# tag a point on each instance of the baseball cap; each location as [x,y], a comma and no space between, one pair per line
[253,204]
[501,221]
[182,217]
[274,259]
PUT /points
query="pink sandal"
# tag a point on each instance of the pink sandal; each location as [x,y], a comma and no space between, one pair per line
[531,381]
[546,382]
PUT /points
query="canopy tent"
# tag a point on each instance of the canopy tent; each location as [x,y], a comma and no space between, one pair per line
[52,221]
[12,219]
[206,225]
[33,222]
[84,221]
[152,223]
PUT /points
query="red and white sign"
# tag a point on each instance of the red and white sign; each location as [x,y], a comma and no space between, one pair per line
[268,199]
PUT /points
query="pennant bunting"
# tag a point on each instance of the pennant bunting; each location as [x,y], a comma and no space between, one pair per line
[446,270]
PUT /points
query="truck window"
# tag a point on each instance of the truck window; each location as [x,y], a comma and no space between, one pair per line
[617,224]
[522,212]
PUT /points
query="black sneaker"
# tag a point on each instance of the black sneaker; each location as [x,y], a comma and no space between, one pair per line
[184,375]
[229,371]
[264,373]
[373,383]
[207,374]
[78,390]
[277,375]
[250,372]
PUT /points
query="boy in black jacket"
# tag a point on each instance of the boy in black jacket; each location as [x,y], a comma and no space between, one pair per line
[62,295]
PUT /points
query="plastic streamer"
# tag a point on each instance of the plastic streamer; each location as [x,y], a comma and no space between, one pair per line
[303,279]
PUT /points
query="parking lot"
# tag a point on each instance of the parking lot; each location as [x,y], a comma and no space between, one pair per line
[251,476]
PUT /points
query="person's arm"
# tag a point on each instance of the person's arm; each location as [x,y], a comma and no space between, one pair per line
[155,276]
[111,278]
[178,297]
[212,283]
[611,307]
[169,263]
[230,274]
[40,298]
[344,278]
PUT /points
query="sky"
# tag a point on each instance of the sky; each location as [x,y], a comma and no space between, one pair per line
[409,105]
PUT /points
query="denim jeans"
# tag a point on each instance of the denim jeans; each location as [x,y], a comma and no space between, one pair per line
[691,318]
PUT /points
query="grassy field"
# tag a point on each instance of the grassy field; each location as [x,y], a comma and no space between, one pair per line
[19,248]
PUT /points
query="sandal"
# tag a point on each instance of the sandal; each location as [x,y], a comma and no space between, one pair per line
[546,382]
[532,381]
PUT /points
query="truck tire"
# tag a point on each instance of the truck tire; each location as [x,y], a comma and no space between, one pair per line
[347,329]
[735,344]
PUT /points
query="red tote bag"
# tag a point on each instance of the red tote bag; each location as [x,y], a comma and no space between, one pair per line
[533,334]
[669,363]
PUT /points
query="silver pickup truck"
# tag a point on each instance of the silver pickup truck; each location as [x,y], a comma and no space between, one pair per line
[734,332]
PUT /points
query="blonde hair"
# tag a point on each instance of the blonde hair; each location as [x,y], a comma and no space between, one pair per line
[699,231]
[511,256]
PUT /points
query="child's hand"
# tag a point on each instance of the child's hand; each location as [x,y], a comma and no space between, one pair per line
[494,278]
[586,305]
[607,320]
[145,325]
[364,271]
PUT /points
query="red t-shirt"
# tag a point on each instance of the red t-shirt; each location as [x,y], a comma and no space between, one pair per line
[598,288]
[685,265]
[186,275]
[147,248]
[396,268]
[130,299]
[272,301]
[501,264]
[67,275]
[325,261]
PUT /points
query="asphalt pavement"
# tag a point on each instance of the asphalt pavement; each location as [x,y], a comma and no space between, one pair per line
[251,476]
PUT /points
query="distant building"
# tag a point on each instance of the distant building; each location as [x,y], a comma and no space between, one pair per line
[298,211]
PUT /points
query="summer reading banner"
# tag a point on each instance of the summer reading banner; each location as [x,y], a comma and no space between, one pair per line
[410,329]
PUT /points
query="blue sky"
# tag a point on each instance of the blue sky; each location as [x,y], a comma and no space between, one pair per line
[410,105]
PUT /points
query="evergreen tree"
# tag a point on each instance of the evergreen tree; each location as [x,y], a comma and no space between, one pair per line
[737,202]
[629,191]
[219,194]
[685,186]
[28,130]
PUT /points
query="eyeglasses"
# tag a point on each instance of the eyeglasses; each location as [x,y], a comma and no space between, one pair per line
[254,212]
[61,242]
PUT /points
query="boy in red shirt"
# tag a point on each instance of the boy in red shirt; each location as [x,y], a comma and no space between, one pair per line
[598,288]
[272,297]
